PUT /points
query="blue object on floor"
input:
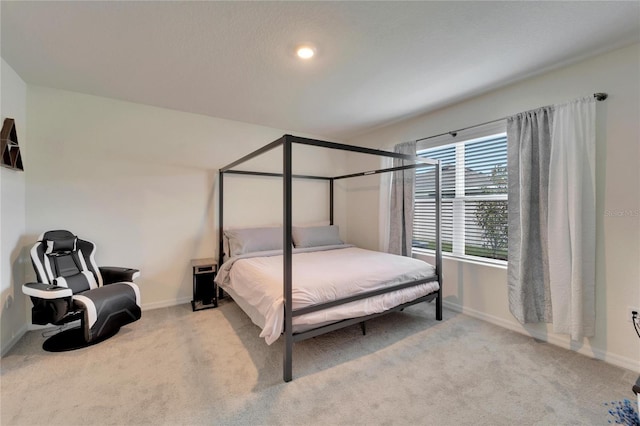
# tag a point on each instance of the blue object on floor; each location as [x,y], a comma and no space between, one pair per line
[623,412]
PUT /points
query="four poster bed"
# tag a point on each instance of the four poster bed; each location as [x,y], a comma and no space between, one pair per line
[333,285]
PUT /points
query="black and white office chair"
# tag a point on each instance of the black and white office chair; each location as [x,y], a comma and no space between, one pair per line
[71,287]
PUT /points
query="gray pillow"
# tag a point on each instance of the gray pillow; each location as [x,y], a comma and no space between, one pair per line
[61,245]
[248,240]
[315,236]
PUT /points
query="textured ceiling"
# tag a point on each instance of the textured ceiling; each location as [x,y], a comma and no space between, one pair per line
[377,62]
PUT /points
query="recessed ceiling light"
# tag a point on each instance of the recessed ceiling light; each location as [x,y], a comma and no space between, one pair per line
[305,52]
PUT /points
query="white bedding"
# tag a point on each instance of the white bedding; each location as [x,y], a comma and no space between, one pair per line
[325,274]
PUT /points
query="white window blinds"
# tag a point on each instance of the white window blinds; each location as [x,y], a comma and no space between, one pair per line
[474,205]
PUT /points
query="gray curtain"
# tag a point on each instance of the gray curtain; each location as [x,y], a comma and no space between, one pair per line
[529,149]
[401,203]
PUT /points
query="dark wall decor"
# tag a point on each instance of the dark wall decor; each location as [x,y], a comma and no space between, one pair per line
[9,149]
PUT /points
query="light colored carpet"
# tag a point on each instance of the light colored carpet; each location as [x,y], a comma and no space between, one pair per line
[210,367]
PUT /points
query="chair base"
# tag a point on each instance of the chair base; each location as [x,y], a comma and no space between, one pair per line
[71,339]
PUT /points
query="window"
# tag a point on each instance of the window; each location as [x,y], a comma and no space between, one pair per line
[474,198]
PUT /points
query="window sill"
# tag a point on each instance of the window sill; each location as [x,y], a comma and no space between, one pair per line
[502,264]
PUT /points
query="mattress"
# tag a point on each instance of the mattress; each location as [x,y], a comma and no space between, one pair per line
[320,275]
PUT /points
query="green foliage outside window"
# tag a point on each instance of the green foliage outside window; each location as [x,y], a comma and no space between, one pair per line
[491,217]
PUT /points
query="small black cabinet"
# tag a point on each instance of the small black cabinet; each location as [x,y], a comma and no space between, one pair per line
[205,294]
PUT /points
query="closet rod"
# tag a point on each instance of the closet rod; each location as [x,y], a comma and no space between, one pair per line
[599,97]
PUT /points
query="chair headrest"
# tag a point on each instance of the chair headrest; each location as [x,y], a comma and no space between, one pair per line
[59,241]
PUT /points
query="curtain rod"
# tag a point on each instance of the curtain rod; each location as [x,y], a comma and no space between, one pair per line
[599,97]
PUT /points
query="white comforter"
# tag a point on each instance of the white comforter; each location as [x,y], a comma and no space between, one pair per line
[321,276]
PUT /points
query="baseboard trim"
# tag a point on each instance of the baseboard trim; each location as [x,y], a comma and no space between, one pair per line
[11,343]
[586,350]
[165,303]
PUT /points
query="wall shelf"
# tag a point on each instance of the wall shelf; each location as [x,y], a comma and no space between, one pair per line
[10,156]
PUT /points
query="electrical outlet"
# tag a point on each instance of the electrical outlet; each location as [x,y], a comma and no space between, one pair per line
[630,311]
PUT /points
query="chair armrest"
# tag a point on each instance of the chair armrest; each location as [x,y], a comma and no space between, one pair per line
[114,274]
[46,291]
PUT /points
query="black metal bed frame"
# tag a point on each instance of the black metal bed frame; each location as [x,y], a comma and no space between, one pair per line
[287,141]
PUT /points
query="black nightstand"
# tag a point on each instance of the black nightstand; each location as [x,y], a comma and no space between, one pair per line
[205,294]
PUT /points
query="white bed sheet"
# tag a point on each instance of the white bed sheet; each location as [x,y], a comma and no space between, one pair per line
[321,276]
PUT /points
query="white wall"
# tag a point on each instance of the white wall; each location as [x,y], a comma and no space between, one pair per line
[481,290]
[12,215]
[140,182]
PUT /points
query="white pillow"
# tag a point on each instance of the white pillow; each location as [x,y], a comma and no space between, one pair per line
[250,240]
[315,236]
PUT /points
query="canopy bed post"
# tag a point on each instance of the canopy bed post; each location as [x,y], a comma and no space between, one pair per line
[331,201]
[438,239]
[288,261]
[220,218]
